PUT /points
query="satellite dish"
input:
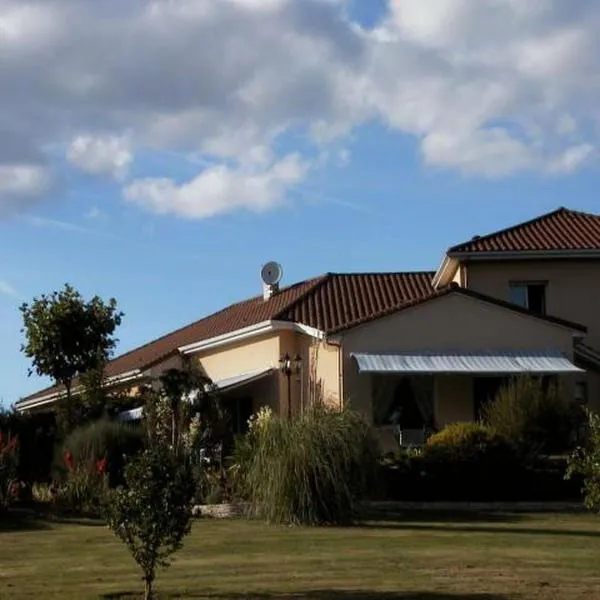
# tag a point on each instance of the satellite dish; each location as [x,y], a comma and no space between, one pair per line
[271,273]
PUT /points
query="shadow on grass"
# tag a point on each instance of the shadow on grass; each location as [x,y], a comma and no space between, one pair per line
[482,529]
[445,516]
[17,521]
[319,595]
[29,520]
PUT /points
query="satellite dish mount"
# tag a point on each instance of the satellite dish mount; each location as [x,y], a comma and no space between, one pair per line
[271,275]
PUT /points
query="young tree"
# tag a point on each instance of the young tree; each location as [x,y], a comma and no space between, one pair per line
[585,461]
[152,513]
[65,335]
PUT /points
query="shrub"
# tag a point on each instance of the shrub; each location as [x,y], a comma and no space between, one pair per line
[461,442]
[36,433]
[585,461]
[84,489]
[8,468]
[309,470]
[534,419]
[104,439]
[152,513]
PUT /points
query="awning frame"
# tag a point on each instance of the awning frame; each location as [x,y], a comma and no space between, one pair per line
[223,385]
[548,362]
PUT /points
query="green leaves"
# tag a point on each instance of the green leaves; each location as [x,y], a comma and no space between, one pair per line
[585,461]
[152,513]
[66,336]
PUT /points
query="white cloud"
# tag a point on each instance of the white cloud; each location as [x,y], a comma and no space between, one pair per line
[487,87]
[20,184]
[101,155]
[219,189]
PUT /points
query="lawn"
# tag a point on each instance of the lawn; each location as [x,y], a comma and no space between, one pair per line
[423,557]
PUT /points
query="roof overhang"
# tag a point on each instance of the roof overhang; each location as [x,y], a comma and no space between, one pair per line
[446,271]
[588,356]
[550,362]
[223,385]
[251,331]
[52,397]
[445,274]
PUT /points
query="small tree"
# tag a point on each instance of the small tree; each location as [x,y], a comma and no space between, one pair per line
[65,336]
[152,513]
[585,461]
[534,418]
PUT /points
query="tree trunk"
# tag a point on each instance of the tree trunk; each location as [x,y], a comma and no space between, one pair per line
[148,588]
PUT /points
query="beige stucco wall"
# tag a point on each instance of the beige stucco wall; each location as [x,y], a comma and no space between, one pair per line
[245,357]
[453,322]
[453,400]
[573,290]
[573,293]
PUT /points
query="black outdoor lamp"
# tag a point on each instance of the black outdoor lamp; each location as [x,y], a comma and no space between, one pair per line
[289,366]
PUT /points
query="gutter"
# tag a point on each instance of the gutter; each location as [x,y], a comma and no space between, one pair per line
[53,396]
[249,332]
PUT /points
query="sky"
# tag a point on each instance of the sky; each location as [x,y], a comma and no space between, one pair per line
[161,151]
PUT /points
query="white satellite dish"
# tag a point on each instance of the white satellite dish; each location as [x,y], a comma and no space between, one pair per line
[271,273]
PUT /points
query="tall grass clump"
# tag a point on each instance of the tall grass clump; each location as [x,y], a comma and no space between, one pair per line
[311,470]
[104,439]
[534,418]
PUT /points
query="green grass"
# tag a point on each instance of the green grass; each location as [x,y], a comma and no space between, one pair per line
[423,557]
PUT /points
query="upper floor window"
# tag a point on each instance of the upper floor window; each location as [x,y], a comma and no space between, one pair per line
[531,295]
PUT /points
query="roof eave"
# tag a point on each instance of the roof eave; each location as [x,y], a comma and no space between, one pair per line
[23,405]
[521,254]
[446,272]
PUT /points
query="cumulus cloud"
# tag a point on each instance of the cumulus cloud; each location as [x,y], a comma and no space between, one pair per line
[20,184]
[101,155]
[219,189]
[488,88]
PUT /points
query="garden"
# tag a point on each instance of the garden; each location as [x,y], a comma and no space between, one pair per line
[80,490]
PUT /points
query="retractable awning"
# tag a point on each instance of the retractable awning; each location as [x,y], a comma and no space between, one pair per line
[485,362]
[222,385]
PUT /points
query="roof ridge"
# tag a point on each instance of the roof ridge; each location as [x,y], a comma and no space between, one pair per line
[582,213]
[316,283]
[361,273]
[487,236]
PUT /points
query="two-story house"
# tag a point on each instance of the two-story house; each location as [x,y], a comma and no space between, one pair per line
[408,349]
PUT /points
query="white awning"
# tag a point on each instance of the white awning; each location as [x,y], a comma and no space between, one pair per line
[222,385]
[541,363]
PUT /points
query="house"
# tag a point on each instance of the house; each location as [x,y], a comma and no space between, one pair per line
[409,349]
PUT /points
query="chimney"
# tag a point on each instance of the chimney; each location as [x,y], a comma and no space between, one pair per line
[269,290]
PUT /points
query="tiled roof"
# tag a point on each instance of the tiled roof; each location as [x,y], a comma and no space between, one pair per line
[560,230]
[330,303]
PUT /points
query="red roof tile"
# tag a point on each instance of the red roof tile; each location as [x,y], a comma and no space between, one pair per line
[330,303]
[561,230]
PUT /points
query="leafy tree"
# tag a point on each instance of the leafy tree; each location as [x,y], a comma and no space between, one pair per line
[585,461]
[66,336]
[152,513]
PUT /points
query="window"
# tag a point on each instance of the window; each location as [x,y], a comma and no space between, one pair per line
[529,295]
[405,402]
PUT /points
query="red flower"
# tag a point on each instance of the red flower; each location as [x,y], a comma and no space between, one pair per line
[68,458]
[101,466]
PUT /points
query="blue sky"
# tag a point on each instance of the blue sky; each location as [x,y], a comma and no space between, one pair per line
[370,136]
